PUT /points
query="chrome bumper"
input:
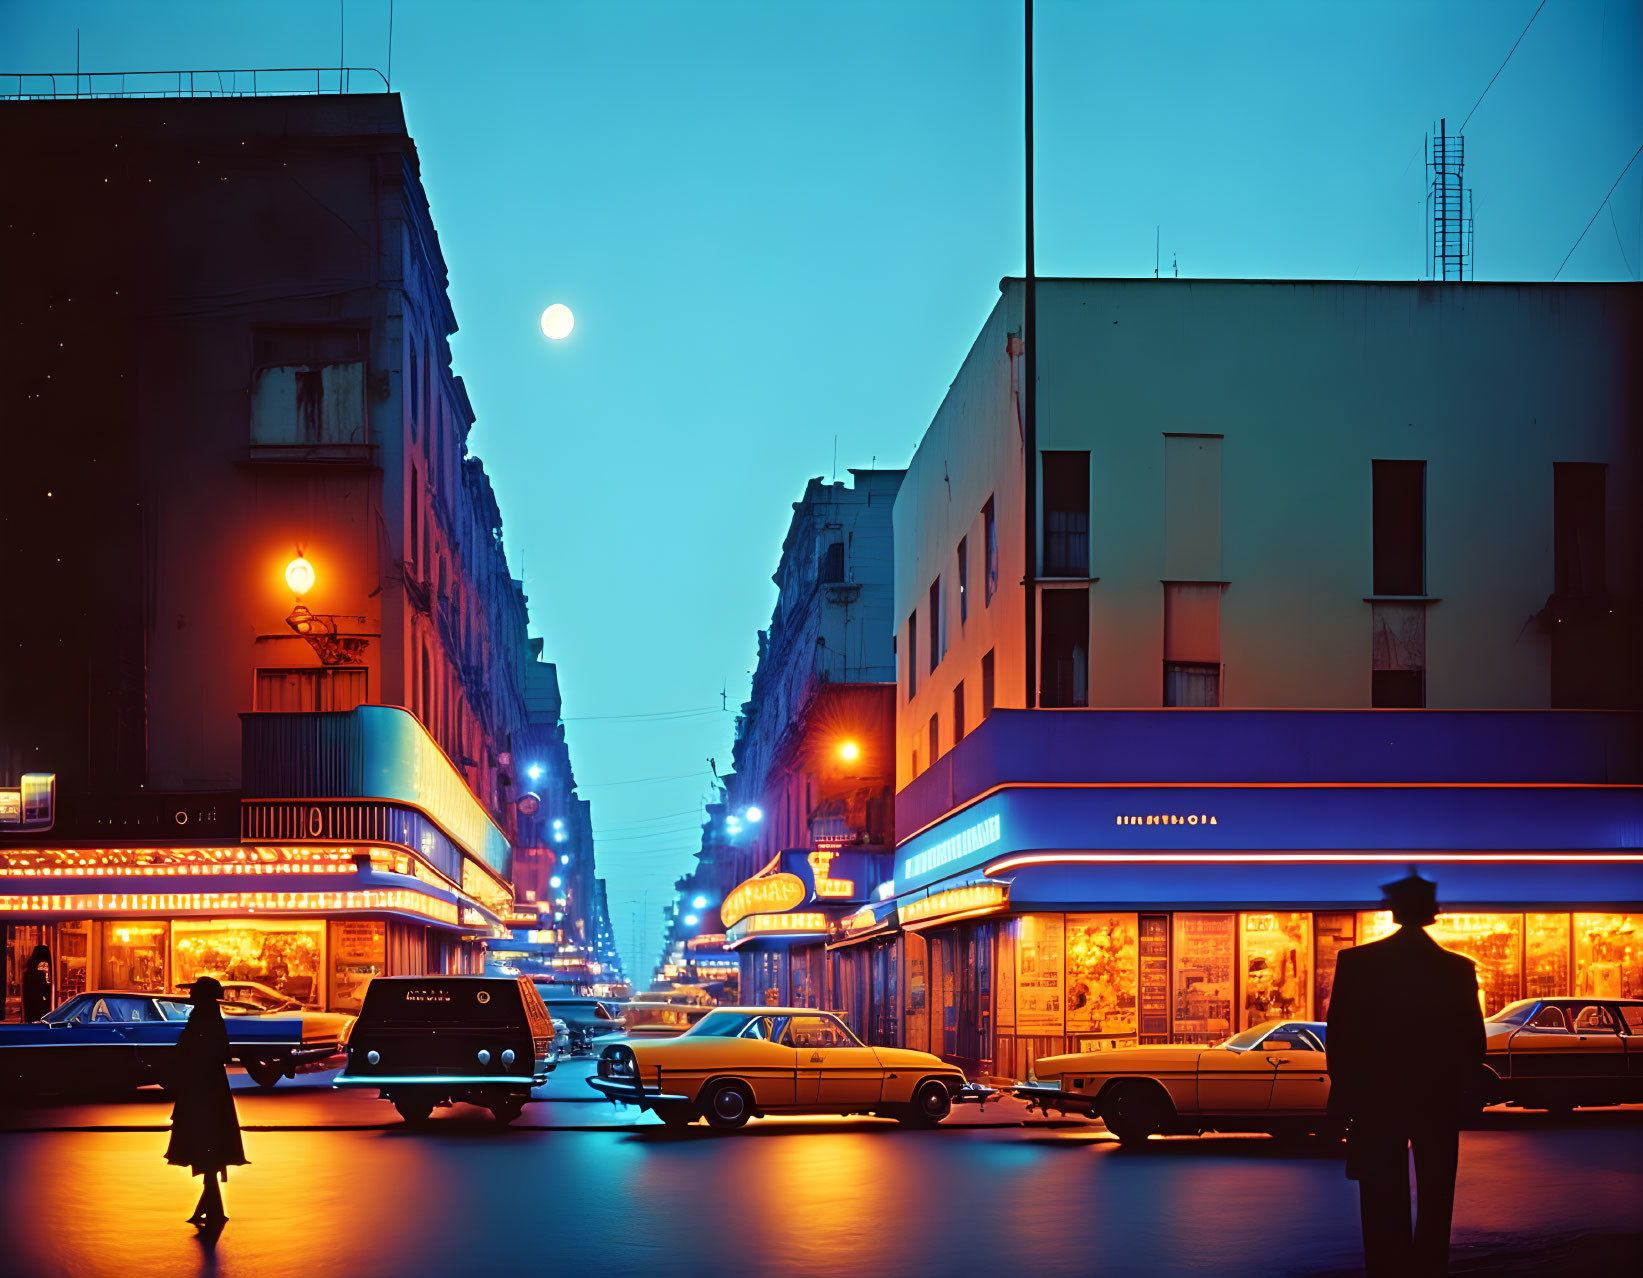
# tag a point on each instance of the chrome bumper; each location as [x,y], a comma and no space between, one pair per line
[974,1094]
[623,1091]
[1044,1098]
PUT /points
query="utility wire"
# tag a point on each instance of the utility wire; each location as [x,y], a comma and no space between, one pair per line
[680,776]
[646,714]
[1598,210]
[1501,67]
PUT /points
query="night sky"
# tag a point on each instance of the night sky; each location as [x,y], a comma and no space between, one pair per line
[782,224]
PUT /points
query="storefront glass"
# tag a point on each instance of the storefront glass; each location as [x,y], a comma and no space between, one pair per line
[1335,932]
[134,957]
[1546,956]
[1275,958]
[1493,941]
[1101,980]
[916,988]
[884,1026]
[1609,955]
[1205,958]
[1040,947]
[359,951]
[283,955]
[21,938]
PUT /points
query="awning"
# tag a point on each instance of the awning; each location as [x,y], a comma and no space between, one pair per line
[872,921]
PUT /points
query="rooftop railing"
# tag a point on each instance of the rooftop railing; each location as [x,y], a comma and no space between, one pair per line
[250,82]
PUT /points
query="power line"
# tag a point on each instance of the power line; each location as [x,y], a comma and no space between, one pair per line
[680,776]
[1501,67]
[647,714]
[1598,210]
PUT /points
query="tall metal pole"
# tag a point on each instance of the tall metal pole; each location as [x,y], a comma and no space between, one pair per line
[1029,411]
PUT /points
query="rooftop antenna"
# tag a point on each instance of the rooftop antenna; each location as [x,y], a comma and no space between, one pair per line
[1155,250]
[389,78]
[835,459]
[1175,265]
[1449,207]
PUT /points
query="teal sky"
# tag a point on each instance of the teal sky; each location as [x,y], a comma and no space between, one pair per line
[782,223]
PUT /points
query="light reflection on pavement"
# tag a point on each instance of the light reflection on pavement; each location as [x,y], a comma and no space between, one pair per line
[794,1197]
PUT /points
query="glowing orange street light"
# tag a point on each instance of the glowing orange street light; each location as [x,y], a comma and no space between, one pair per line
[299,575]
[849,751]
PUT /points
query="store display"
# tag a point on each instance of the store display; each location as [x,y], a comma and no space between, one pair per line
[1609,955]
[1038,984]
[1101,962]
[1204,962]
[1275,959]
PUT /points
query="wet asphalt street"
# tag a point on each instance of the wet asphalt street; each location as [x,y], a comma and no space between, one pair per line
[337,1185]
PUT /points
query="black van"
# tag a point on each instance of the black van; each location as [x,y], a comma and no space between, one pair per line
[432,1040]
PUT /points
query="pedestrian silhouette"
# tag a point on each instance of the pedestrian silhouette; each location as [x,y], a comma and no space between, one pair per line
[205,1131]
[37,985]
[1405,1059]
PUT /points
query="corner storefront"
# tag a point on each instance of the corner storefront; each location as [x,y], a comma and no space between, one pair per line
[1058,914]
[384,863]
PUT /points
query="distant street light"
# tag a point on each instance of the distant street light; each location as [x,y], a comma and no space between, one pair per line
[755,814]
[691,920]
[700,903]
[849,751]
[534,772]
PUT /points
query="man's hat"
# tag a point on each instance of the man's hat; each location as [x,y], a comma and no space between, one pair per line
[1411,895]
[208,989]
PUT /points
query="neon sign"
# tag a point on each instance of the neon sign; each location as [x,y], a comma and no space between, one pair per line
[961,900]
[820,860]
[1167,818]
[776,924]
[981,835]
[766,894]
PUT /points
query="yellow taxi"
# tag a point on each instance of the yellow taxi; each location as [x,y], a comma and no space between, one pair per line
[1271,1078]
[738,1063]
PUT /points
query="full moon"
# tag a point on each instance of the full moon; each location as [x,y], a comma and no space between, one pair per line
[557,321]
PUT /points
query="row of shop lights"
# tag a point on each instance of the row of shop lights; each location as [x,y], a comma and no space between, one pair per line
[151,871]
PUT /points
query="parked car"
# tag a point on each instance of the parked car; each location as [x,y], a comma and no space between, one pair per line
[666,1011]
[585,1019]
[427,1041]
[117,1040]
[1557,1053]
[323,1033]
[1272,1078]
[742,1062]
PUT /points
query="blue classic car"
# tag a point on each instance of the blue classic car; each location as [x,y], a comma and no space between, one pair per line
[119,1040]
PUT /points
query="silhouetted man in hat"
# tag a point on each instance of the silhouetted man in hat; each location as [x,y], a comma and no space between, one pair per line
[1405,1053]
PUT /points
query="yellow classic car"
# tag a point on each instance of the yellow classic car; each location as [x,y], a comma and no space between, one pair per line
[738,1063]
[1556,1053]
[1271,1078]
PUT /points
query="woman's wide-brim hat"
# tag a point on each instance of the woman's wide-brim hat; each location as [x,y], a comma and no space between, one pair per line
[206,989]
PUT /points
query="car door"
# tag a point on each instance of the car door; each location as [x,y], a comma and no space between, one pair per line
[1235,1082]
[1600,1051]
[153,1038]
[1301,1085]
[763,1058]
[833,1069]
[1544,1047]
[1631,1016]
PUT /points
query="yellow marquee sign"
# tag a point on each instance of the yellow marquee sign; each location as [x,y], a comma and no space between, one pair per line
[766,894]
[776,925]
[961,900]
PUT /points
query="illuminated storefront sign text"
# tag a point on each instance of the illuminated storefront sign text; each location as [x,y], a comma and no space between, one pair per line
[767,894]
[981,835]
[961,900]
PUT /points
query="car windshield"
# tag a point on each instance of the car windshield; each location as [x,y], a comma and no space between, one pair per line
[1249,1038]
[724,1025]
[75,1009]
[256,996]
[1513,1013]
[173,1009]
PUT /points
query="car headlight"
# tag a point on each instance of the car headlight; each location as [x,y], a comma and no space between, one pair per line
[621,1066]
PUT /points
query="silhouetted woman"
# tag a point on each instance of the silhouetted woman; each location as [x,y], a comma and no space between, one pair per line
[37,984]
[205,1131]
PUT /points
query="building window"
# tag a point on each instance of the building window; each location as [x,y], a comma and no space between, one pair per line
[411,389]
[958,712]
[912,655]
[1192,643]
[990,522]
[987,685]
[308,389]
[832,567]
[1066,514]
[1066,648]
[938,638]
[416,515]
[1399,530]
[310,690]
[935,737]
[1398,656]
[963,580]
[1578,517]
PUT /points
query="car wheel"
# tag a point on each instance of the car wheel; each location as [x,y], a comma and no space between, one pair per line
[265,1073]
[676,1115]
[728,1106]
[1132,1112]
[413,1109]
[505,1111]
[931,1104]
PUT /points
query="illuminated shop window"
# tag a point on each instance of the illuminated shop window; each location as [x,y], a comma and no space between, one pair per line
[1275,956]
[1546,955]
[1205,959]
[1609,955]
[1039,989]
[1101,980]
[282,956]
[359,951]
[134,957]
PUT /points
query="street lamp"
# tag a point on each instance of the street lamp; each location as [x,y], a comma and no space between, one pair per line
[700,903]
[755,814]
[849,751]
[299,575]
